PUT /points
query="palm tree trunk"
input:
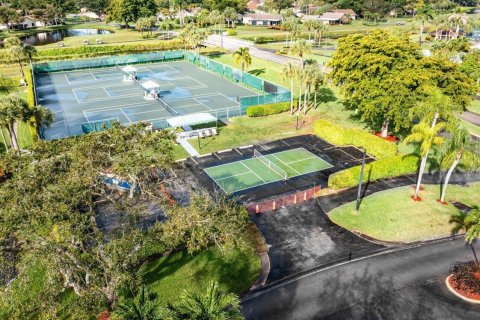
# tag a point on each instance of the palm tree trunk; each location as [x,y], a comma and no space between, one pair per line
[421,32]
[3,138]
[299,97]
[21,67]
[291,95]
[447,177]
[420,175]
[13,137]
[315,98]
[384,133]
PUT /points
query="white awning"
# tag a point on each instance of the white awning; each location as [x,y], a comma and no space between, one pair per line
[129,69]
[149,85]
[191,119]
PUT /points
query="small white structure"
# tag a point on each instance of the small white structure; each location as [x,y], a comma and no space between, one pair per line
[191,119]
[27,22]
[129,73]
[334,18]
[151,90]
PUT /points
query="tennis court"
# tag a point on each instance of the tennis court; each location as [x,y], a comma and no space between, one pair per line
[88,98]
[264,169]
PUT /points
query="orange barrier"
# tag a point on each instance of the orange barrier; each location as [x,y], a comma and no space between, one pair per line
[276,203]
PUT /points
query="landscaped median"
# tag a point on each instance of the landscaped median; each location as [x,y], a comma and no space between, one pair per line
[392,216]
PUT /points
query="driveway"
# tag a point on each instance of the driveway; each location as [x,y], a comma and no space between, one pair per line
[301,237]
[401,284]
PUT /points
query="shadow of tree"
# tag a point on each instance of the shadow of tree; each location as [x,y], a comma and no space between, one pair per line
[257,72]
[325,95]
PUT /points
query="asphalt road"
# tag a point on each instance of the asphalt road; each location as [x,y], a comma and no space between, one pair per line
[405,284]
[471,117]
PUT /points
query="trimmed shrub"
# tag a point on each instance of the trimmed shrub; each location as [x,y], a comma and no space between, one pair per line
[231,32]
[268,109]
[377,170]
[340,136]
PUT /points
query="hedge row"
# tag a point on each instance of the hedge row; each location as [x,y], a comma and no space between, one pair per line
[268,109]
[279,37]
[96,50]
[380,169]
[375,146]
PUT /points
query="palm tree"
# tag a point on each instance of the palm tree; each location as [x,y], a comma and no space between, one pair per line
[319,28]
[301,48]
[424,13]
[470,222]
[242,55]
[310,25]
[15,49]
[300,76]
[12,110]
[40,116]
[197,38]
[230,15]
[458,19]
[144,306]
[310,74]
[427,137]
[459,146]
[29,51]
[288,73]
[318,81]
[215,304]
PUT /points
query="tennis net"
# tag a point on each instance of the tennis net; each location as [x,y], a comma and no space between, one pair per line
[272,166]
[167,107]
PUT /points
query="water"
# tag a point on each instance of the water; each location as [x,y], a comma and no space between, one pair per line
[48,37]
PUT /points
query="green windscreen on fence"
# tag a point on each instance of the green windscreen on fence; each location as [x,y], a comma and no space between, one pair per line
[103,62]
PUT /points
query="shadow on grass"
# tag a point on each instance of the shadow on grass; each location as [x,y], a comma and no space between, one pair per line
[326,95]
[257,72]
[214,54]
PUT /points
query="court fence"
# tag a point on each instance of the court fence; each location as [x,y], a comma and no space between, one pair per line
[268,92]
[283,201]
[108,61]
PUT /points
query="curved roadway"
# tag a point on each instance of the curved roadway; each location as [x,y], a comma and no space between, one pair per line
[397,284]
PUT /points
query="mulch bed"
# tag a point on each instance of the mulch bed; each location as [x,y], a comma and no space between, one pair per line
[457,286]
[389,138]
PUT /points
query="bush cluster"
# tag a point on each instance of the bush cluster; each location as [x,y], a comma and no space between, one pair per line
[375,146]
[268,109]
[380,169]
[96,50]
[334,34]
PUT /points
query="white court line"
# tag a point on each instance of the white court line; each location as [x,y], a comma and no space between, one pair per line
[75,95]
[108,87]
[214,180]
[138,104]
[197,96]
[85,115]
[235,175]
[310,158]
[273,155]
[125,115]
[238,103]
[188,105]
[110,98]
[106,92]
[252,171]
[203,104]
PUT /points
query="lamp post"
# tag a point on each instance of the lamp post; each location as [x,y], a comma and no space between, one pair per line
[357,205]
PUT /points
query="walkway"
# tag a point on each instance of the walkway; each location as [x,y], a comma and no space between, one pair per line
[471,117]
[232,44]
[406,283]
[188,147]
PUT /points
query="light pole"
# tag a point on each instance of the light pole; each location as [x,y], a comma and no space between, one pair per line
[357,205]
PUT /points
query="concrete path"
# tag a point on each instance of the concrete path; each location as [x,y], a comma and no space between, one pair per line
[188,147]
[406,283]
[471,117]
[232,44]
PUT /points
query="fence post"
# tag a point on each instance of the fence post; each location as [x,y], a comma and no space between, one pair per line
[295,199]
[274,205]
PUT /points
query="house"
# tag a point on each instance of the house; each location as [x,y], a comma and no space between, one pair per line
[349,12]
[307,17]
[27,22]
[334,18]
[262,19]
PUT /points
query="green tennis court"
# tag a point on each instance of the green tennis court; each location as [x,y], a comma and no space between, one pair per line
[264,169]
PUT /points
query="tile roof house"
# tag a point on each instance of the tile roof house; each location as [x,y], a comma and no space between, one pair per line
[252,5]
[262,19]
[348,12]
[334,18]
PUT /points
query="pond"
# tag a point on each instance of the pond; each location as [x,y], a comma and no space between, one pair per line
[54,36]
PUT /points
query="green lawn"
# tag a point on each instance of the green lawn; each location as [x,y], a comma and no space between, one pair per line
[243,131]
[472,128]
[392,215]
[235,270]
[474,107]
[179,152]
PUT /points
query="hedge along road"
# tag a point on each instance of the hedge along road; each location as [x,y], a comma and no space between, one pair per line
[398,284]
